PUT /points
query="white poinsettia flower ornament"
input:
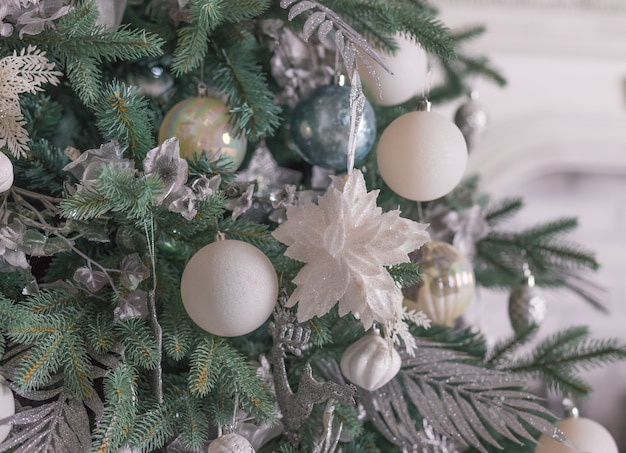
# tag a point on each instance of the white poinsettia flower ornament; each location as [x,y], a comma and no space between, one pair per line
[346,242]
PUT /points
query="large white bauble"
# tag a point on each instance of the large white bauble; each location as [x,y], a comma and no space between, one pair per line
[406,77]
[229,288]
[370,362]
[7,408]
[231,443]
[6,173]
[422,155]
[589,436]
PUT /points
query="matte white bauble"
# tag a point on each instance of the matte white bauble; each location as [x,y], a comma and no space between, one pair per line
[589,436]
[6,173]
[406,77]
[229,288]
[7,408]
[370,362]
[422,155]
[231,443]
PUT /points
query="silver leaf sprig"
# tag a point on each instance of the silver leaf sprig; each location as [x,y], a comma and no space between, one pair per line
[461,401]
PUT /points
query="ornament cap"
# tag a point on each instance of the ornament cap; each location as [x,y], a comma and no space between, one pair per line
[424,105]
[571,411]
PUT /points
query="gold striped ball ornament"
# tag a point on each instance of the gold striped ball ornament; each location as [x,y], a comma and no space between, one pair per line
[447,285]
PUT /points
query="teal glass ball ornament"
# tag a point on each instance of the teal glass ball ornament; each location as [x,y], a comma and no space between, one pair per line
[201,125]
[320,128]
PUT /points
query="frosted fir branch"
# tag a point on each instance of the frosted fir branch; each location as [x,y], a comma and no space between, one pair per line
[21,73]
[398,331]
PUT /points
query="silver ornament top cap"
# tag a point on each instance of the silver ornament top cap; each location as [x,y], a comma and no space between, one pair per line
[571,411]
[423,105]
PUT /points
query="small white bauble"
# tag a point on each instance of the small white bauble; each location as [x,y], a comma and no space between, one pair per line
[406,76]
[588,435]
[6,173]
[229,288]
[422,155]
[7,408]
[231,443]
[370,362]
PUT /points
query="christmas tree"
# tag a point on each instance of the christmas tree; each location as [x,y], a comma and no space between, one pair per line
[238,225]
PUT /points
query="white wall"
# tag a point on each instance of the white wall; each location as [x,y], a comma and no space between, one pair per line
[557,137]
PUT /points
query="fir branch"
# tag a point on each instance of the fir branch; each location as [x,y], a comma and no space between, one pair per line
[236,74]
[205,367]
[557,359]
[140,346]
[120,410]
[503,210]
[153,428]
[178,330]
[117,190]
[41,170]
[81,45]
[98,333]
[203,16]
[190,421]
[123,116]
[504,349]
[254,233]
[405,274]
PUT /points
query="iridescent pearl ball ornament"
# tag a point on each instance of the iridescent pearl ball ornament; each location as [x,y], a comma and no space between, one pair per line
[527,304]
[406,77]
[370,362]
[229,288]
[231,443]
[447,285]
[587,435]
[320,128]
[6,173]
[201,125]
[7,408]
[422,155]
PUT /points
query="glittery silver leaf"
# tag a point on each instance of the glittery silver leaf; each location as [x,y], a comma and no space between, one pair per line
[94,281]
[61,426]
[461,401]
[133,271]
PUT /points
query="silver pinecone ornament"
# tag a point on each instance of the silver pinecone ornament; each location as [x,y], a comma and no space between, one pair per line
[527,304]
[231,443]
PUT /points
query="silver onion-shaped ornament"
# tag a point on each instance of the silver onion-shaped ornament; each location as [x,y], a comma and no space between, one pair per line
[527,304]
[471,118]
[231,443]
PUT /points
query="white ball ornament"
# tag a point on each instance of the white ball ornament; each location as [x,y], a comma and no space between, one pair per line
[229,288]
[7,408]
[587,435]
[6,173]
[231,443]
[406,76]
[422,155]
[370,362]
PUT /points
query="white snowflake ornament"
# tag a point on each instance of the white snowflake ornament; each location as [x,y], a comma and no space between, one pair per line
[347,242]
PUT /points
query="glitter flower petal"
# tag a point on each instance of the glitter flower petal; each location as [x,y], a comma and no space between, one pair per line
[165,162]
[346,242]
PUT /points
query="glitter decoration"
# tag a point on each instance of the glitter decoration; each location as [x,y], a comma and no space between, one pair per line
[61,426]
[462,402]
[527,304]
[295,407]
[201,125]
[471,118]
